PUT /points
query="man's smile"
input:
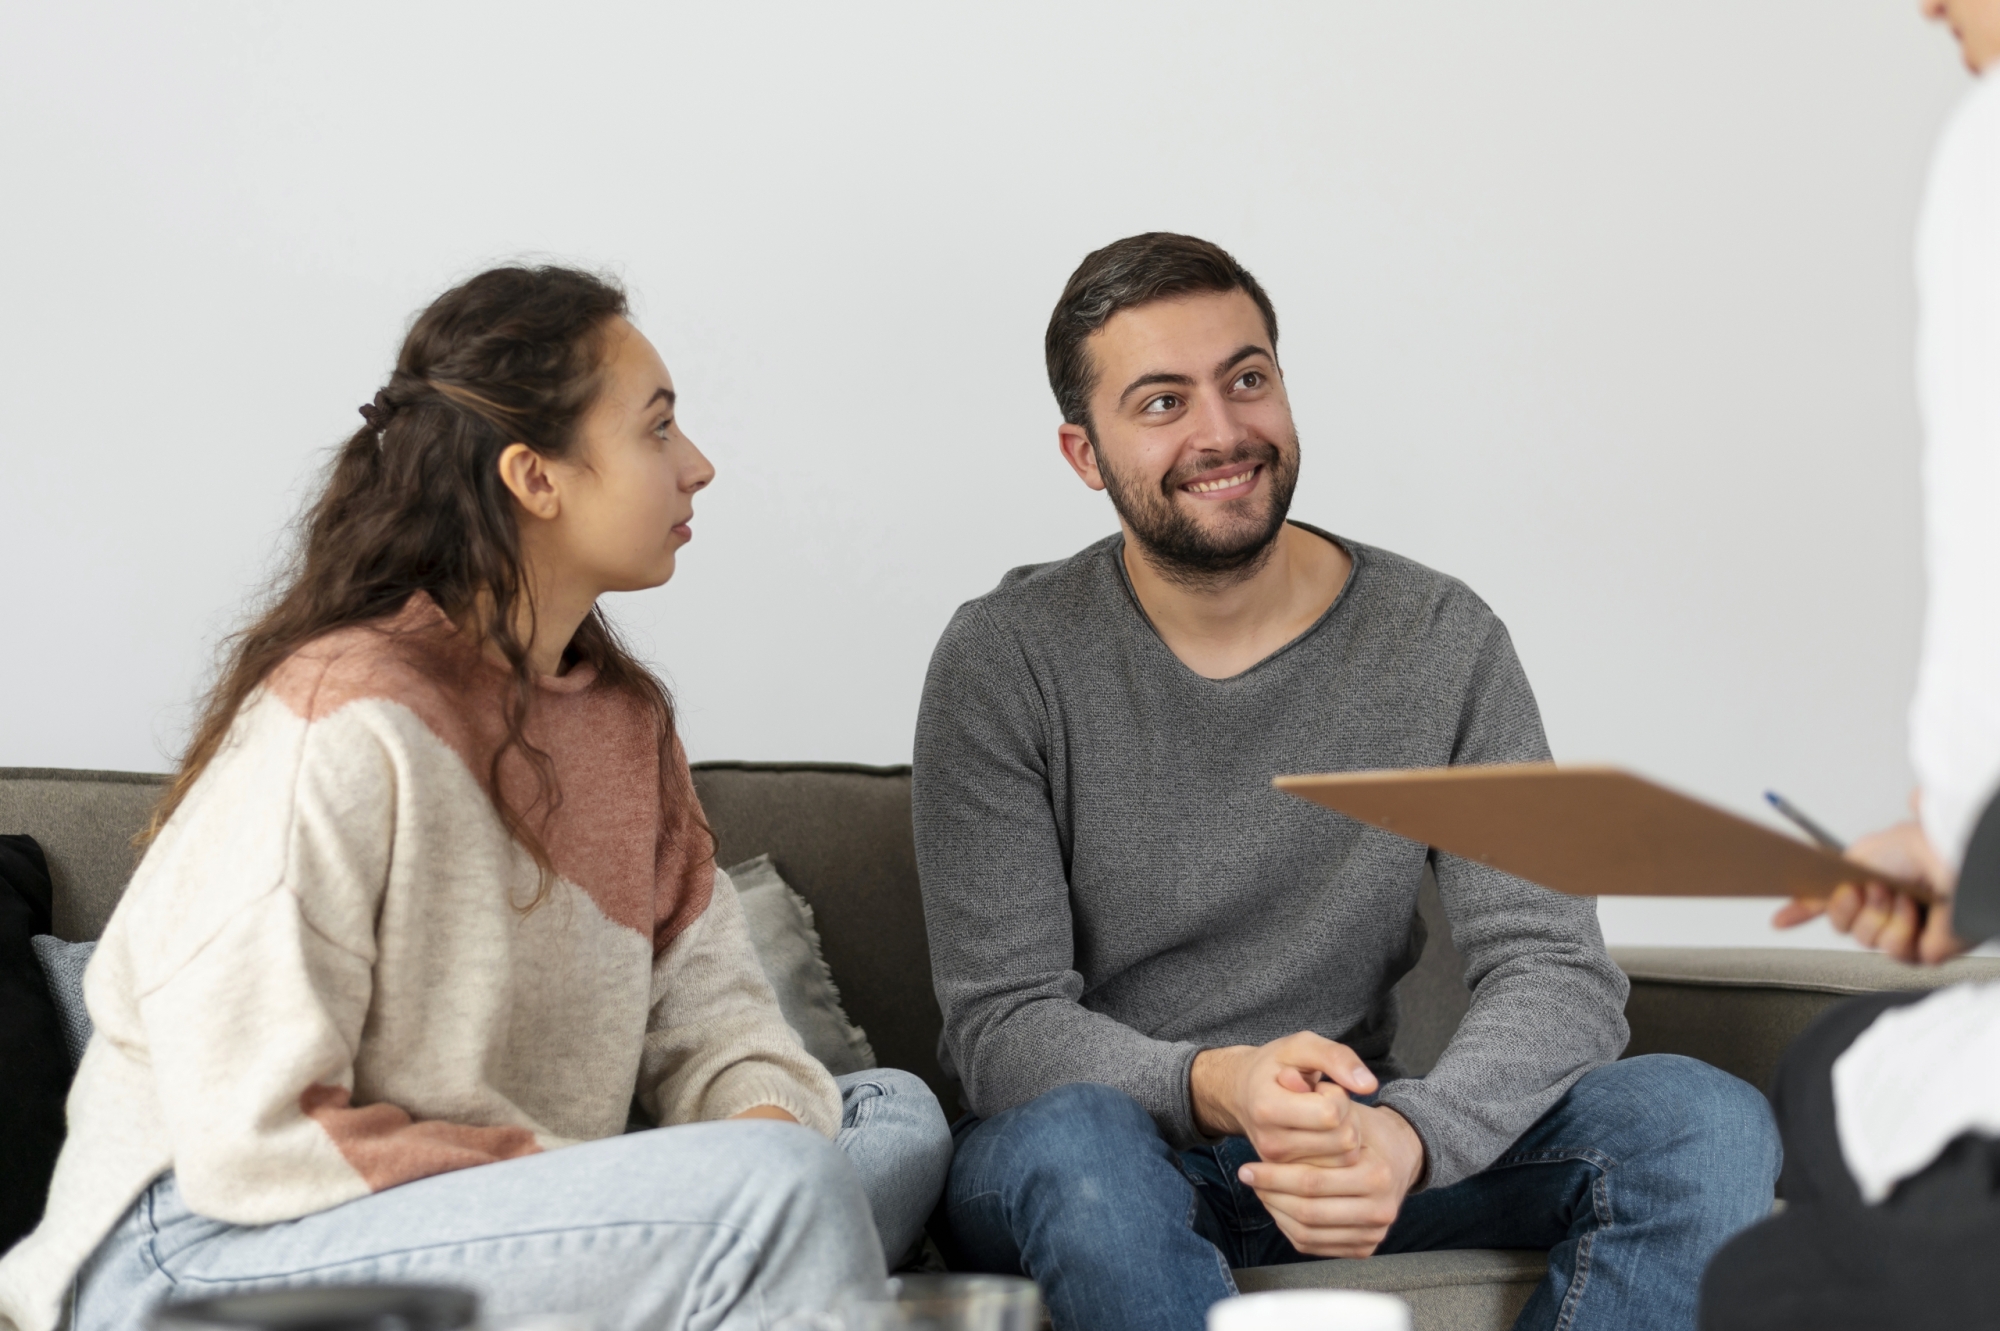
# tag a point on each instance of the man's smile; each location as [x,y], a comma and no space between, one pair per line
[1225,482]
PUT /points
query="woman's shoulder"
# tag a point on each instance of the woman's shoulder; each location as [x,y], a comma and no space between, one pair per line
[415,658]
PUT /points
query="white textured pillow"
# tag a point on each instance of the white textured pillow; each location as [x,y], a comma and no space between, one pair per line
[781,929]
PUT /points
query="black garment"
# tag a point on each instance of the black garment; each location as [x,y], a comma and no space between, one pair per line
[1975,904]
[1830,1262]
[34,1066]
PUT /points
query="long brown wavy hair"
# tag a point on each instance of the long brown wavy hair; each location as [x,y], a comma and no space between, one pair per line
[514,355]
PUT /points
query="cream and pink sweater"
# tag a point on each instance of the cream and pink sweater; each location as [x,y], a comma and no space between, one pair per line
[321,982]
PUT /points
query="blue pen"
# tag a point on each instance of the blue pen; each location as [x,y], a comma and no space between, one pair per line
[1805,824]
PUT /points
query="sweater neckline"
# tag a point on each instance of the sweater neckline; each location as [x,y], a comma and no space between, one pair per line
[1115,549]
[421,613]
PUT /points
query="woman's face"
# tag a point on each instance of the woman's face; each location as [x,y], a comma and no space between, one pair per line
[628,487]
[1976,24]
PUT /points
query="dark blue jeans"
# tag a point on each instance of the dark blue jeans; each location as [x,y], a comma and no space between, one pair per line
[1640,1172]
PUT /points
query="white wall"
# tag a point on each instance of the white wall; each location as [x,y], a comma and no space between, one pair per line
[1603,307]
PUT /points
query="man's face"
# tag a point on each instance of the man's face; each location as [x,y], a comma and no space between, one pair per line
[1976,24]
[1191,433]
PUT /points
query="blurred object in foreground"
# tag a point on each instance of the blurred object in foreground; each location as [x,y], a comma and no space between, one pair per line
[1311,1310]
[326,1308]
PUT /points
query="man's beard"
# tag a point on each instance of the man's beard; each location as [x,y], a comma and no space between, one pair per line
[1180,548]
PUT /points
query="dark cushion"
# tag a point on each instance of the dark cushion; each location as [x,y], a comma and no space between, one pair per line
[840,835]
[37,1072]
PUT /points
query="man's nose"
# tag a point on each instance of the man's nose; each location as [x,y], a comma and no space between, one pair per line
[1216,425]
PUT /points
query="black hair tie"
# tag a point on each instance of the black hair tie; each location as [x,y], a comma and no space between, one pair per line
[380,412]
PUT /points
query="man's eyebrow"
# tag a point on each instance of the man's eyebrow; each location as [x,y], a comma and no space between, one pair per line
[1236,358]
[665,395]
[1145,380]
[1243,353]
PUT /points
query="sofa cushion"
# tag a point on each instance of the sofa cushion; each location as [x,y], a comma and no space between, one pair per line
[37,1069]
[85,822]
[840,835]
[1469,1289]
[788,948]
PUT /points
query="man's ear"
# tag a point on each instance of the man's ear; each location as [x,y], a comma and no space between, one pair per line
[527,477]
[1080,453]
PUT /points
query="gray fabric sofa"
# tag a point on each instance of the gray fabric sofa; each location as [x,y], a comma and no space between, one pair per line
[840,834]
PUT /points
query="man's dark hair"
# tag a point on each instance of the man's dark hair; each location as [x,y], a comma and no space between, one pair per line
[1137,270]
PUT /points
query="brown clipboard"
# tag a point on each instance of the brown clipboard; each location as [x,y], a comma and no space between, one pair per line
[1587,831]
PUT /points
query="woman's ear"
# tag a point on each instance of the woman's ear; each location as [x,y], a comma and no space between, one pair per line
[527,475]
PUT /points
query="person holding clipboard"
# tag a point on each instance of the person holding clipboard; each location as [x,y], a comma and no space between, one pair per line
[1890,1104]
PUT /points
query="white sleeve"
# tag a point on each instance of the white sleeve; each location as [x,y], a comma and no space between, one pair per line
[1921,1075]
[1955,717]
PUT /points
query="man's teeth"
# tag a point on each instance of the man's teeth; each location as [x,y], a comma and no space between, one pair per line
[1203,487]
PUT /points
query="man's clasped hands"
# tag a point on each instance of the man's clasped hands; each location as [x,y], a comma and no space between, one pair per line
[1332,1170]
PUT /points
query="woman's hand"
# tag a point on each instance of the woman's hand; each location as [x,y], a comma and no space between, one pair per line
[1874,914]
[766,1111]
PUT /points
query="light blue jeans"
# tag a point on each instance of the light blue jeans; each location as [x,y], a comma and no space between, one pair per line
[729,1225]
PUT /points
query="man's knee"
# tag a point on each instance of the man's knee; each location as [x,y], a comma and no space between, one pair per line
[1079,1170]
[1076,1134]
[1075,1124]
[1679,1109]
[1714,1100]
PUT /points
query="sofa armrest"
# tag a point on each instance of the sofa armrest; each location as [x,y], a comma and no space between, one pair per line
[1739,1007]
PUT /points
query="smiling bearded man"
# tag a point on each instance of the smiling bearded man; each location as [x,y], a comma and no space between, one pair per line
[1167,988]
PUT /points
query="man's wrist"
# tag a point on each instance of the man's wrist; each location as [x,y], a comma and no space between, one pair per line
[1212,1081]
[1413,1143]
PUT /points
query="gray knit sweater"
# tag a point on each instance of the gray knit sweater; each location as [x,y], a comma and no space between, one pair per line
[1111,884]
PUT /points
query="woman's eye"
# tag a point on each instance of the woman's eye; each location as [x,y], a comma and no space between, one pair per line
[663,429]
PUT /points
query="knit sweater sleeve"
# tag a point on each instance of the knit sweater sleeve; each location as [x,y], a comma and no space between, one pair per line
[996,897]
[1548,1003]
[716,1043]
[240,967]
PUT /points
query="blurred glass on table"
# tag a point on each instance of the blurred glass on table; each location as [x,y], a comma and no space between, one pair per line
[1311,1310]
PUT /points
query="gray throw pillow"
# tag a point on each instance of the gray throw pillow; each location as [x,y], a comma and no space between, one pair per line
[781,930]
[62,967]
